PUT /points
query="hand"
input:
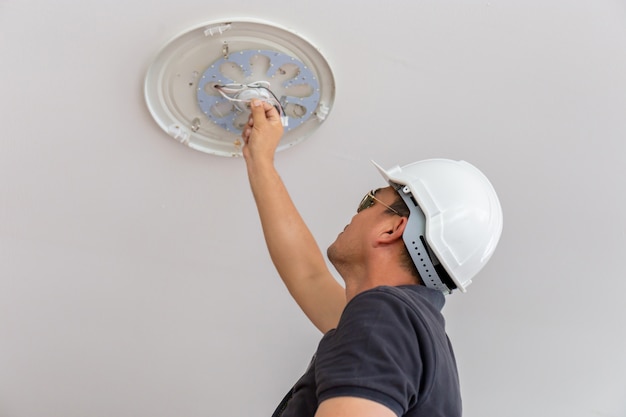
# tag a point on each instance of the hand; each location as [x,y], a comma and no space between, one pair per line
[263,131]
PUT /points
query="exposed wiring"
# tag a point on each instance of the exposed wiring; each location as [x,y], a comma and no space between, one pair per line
[237,93]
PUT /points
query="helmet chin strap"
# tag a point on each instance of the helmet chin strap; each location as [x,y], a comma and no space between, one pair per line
[413,232]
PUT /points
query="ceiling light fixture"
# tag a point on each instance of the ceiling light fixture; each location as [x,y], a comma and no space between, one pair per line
[199,87]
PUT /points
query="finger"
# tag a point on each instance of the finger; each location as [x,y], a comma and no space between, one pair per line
[245,135]
[258,111]
[271,114]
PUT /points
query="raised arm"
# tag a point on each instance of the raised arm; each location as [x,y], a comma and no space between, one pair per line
[291,245]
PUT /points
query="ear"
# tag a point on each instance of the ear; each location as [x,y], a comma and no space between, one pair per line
[392,230]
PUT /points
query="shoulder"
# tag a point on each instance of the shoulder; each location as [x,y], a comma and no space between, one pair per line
[381,310]
[376,352]
[386,310]
[374,304]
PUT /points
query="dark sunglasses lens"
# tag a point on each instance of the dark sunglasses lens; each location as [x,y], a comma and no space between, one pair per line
[365,203]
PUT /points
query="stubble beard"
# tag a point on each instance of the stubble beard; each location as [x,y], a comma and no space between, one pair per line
[334,255]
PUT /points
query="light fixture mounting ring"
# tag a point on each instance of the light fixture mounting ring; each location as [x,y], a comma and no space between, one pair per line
[185,85]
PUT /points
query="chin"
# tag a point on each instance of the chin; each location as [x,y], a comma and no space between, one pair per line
[331,253]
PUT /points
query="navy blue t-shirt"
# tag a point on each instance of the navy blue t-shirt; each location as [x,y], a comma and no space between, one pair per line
[390,346]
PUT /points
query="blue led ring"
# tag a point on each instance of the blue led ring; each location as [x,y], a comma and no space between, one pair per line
[244,59]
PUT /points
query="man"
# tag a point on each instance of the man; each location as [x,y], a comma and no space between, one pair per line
[384,351]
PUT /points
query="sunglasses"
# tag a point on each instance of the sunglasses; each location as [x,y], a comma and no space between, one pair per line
[369,200]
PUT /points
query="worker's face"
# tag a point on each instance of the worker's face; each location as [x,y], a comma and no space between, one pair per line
[351,244]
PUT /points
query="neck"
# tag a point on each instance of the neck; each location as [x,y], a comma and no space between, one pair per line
[357,283]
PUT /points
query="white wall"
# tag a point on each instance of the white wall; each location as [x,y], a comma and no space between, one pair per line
[133,276]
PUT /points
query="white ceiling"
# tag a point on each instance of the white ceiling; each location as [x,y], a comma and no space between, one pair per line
[134,279]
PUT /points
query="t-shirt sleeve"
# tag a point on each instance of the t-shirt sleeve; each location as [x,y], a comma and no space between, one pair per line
[374,353]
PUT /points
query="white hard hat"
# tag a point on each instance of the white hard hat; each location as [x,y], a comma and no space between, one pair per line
[455,221]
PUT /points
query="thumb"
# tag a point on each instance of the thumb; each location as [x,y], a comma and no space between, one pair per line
[257,107]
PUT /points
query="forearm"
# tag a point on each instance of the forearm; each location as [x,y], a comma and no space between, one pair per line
[289,241]
[293,249]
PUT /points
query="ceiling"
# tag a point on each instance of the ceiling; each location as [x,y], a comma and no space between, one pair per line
[134,280]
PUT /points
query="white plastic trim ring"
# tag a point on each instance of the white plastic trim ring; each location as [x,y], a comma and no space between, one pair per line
[174,85]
